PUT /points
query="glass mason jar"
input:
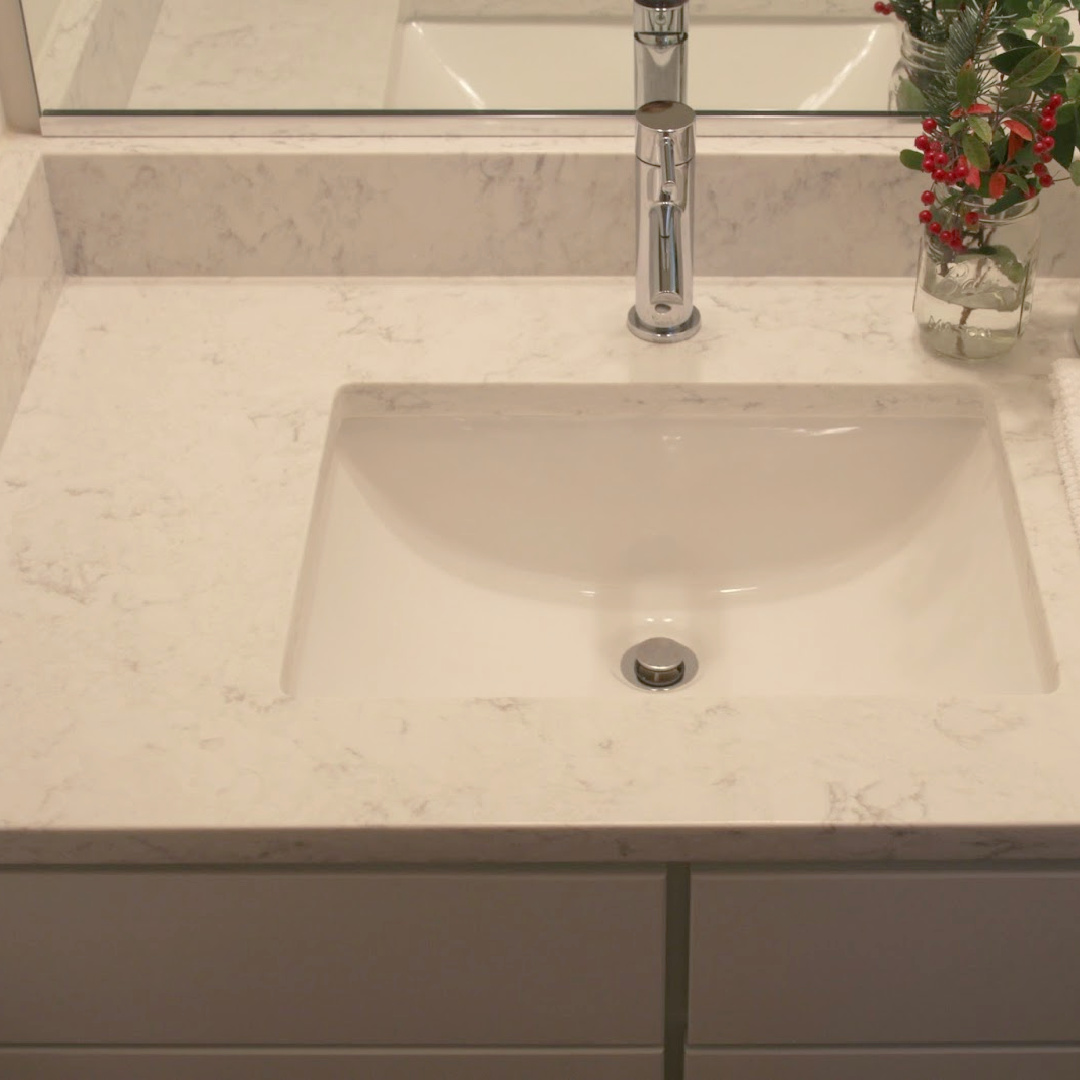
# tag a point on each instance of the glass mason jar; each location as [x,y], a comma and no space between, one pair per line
[972,303]
[920,61]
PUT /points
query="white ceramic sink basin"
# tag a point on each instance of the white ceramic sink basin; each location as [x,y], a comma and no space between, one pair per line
[530,65]
[516,541]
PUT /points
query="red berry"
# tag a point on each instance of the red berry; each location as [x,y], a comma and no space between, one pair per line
[927,198]
[928,163]
[941,175]
[1046,180]
[934,227]
[1048,123]
[929,125]
[1048,145]
[1040,169]
[879,7]
[1046,158]
[962,165]
[1030,193]
[888,10]
[971,219]
[922,142]
[941,157]
[1055,101]
[925,217]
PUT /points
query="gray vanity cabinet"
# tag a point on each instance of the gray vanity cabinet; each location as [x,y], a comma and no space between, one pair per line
[420,962]
[786,967]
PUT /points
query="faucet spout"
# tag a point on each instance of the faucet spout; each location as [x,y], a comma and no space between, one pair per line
[664,302]
[660,36]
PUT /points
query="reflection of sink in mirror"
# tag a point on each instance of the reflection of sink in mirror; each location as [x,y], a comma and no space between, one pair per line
[516,541]
[518,64]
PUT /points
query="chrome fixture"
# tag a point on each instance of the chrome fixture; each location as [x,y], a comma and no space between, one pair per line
[659,664]
[660,33]
[664,304]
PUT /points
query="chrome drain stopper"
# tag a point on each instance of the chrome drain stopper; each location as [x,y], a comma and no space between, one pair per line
[659,664]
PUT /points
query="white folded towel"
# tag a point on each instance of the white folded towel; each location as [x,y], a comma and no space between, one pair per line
[1065,385]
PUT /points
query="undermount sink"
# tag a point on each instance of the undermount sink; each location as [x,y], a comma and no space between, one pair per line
[584,64]
[516,541]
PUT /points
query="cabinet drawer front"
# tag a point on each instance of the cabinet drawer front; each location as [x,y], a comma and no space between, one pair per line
[478,959]
[995,1064]
[974,1064]
[332,1065]
[884,958]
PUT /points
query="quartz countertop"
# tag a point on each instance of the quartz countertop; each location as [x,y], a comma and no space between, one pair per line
[155,491]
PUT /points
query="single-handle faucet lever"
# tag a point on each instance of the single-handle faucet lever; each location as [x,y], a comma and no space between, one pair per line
[664,294]
[669,182]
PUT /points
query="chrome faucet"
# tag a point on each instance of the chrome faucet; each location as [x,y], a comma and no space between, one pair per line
[660,33]
[664,301]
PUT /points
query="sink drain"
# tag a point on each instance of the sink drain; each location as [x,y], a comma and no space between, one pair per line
[659,664]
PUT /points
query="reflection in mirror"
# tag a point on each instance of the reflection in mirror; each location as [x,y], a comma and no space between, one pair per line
[460,55]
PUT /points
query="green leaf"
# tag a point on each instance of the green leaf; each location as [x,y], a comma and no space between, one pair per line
[1011,99]
[1006,62]
[1074,172]
[911,159]
[1057,33]
[1004,258]
[967,87]
[981,127]
[976,152]
[1039,64]
[1010,40]
[909,98]
[1066,136]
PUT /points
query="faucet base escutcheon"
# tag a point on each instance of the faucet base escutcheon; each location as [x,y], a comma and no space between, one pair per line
[646,332]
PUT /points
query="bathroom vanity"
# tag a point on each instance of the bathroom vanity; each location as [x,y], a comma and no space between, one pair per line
[209,867]
[334,491]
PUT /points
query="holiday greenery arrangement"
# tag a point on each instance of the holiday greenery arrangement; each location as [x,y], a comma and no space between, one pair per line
[1001,110]
[998,87]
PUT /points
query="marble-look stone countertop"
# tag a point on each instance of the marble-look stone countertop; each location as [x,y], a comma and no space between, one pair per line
[155,490]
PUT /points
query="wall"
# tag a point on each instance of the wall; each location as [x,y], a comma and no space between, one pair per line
[16,81]
[39,15]
[3,122]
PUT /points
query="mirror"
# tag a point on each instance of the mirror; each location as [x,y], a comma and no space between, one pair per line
[523,56]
